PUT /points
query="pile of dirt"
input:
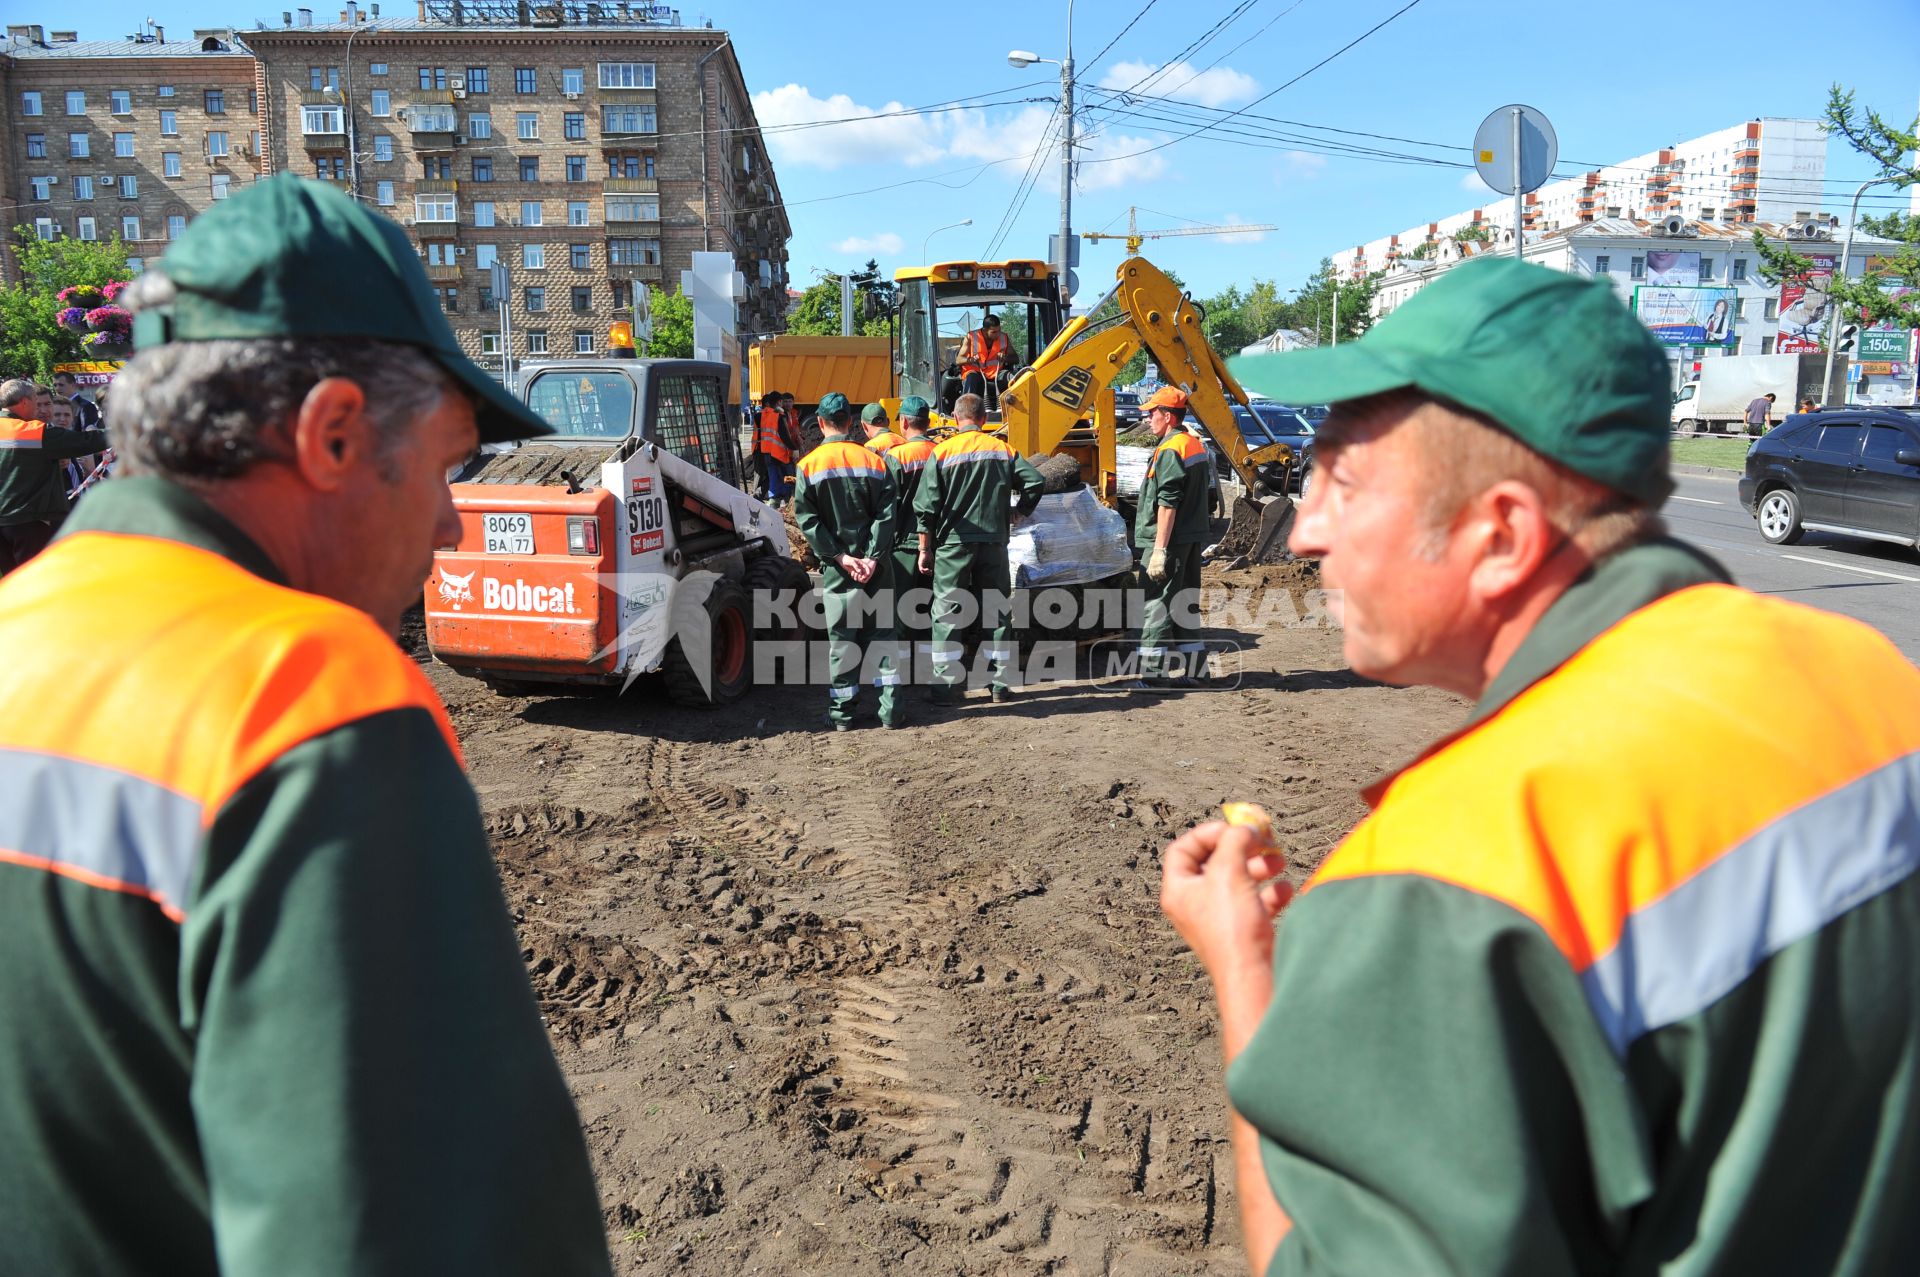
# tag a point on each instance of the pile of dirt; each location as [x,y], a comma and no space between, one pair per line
[1061,472]
[796,544]
[1137,438]
[1243,530]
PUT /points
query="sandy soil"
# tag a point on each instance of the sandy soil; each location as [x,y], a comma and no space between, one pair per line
[903,1002]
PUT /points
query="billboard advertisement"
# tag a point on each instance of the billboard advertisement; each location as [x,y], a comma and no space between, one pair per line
[1803,310]
[92,372]
[1687,316]
[1673,269]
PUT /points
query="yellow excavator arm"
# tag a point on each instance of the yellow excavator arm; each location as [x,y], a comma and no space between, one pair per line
[1056,394]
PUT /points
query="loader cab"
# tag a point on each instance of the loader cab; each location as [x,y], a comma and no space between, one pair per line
[679,404]
[942,303]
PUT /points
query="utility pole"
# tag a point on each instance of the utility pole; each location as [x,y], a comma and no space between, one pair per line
[1066,161]
[1833,319]
[346,105]
[1336,308]
[1519,236]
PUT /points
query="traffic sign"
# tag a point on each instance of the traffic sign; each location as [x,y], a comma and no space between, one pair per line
[1883,344]
[1493,150]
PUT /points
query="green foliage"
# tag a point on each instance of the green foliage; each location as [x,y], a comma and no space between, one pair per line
[818,312]
[31,342]
[672,325]
[1893,150]
[1421,253]
[1473,235]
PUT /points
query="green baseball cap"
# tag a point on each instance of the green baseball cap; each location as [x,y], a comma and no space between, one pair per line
[291,257]
[1555,359]
[915,408]
[873,413]
[832,404]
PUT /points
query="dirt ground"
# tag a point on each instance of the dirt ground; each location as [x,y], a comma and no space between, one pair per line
[903,1002]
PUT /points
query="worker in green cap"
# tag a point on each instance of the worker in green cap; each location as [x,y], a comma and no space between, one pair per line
[912,588]
[1170,527]
[874,423]
[1588,1012]
[262,1008]
[967,497]
[844,503]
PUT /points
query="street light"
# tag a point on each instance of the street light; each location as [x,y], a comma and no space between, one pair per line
[1020,58]
[936,231]
[1833,322]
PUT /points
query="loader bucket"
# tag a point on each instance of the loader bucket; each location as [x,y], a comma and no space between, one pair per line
[1276,522]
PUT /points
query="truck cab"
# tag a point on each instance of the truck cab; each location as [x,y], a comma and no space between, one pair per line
[940,304]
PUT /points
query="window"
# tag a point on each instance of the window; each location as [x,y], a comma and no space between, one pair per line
[450,300]
[433,77]
[633,252]
[479,126]
[176,225]
[164,91]
[589,404]
[628,119]
[692,423]
[489,342]
[533,256]
[331,166]
[439,253]
[222,184]
[135,265]
[483,212]
[380,102]
[526,126]
[524,80]
[30,104]
[382,148]
[630,165]
[253,101]
[582,342]
[1883,442]
[1766,345]
[1706,214]
[1739,308]
[1603,264]
[321,119]
[1637,267]
[477,80]
[529,168]
[216,100]
[576,168]
[433,208]
[44,228]
[77,103]
[577,214]
[1772,310]
[621,298]
[122,100]
[431,119]
[129,186]
[573,79]
[582,298]
[42,188]
[129,227]
[377,68]
[483,168]
[536,299]
[487,300]
[36,146]
[83,187]
[86,229]
[123,145]
[536,343]
[1739,270]
[322,78]
[633,208]
[169,124]
[79,145]
[383,194]
[1841,438]
[626,75]
[484,256]
[573,126]
[1706,269]
[580,257]
[216,144]
[438,168]
[531,213]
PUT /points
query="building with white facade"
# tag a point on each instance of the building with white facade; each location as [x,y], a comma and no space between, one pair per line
[1766,170]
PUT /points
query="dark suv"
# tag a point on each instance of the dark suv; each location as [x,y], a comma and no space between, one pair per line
[1855,471]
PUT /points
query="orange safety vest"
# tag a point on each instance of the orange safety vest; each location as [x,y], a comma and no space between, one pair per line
[883,442]
[17,434]
[769,440]
[984,355]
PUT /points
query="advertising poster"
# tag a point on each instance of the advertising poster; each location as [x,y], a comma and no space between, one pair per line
[1672,269]
[1687,316]
[92,372]
[1803,310]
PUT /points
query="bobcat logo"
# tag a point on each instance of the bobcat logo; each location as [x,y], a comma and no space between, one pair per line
[456,589]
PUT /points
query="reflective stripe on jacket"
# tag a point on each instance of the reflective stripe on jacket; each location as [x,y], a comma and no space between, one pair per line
[771,440]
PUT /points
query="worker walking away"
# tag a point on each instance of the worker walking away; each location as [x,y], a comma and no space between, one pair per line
[262,1008]
[1589,1013]
[873,421]
[965,501]
[33,479]
[912,588]
[844,501]
[1169,529]
[771,444]
[985,353]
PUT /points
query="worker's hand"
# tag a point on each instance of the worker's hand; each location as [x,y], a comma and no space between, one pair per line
[1220,887]
[1157,564]
[924,564]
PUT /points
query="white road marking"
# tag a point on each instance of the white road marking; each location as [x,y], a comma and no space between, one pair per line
[1847,567]
[1697,500]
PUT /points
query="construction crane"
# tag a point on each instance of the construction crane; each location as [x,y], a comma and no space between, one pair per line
[1135,236]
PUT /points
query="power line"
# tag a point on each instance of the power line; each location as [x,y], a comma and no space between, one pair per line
[1116,39]
[1029,180]
[1236,48]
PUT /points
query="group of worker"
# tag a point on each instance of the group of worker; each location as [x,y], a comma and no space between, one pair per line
[51,449]
[776,445]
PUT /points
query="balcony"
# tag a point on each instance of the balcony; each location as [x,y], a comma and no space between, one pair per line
[431,119]
[444,274]
[630,186]
[641,273]
[632,223]
[437,186]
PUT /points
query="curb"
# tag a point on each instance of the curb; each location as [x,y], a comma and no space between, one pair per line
[1719,472]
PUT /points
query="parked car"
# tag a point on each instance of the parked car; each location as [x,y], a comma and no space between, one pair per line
[1854,471]
[1126,410]
[1269,422]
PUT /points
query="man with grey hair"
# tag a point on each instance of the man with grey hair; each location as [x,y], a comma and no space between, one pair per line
[33,454]
[261,1004]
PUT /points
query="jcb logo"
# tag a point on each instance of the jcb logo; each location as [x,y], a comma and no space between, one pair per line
[1071,388]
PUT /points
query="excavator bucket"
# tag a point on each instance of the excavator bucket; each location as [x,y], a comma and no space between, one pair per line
[1276,522]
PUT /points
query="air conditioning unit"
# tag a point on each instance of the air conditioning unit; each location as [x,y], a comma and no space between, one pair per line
[456,82]
[573,96]
[1814,230]
[460,139]
[459,93]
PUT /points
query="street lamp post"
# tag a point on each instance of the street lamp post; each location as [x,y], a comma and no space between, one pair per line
[345,94]
[1833,320]
[935,231]
[1021,58]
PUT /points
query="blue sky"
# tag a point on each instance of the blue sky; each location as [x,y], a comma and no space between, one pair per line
[874,182]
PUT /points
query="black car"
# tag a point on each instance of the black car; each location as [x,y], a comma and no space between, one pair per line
[1855,471]
[1268,423]
[1126,410]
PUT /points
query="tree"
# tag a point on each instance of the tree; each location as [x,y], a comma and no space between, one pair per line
[1868,297]
[818,311]
[1473,235]
[1420,253]
[672,315]
[31,338]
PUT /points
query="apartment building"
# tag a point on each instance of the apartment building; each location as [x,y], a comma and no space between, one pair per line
[590,149]
[130,137]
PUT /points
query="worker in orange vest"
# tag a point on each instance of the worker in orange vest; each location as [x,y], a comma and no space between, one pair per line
[984,354]
[773,446]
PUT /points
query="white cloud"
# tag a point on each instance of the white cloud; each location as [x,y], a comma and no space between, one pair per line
[1136,171]
[1472,182]
[976,136]
[1216,86]
[862,138]
[1299,166]
[884,244]
[1239,237]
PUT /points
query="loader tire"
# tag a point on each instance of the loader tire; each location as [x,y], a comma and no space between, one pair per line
[783,582]
[729,663]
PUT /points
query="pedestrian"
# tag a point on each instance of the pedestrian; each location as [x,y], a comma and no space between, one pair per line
[790,426]
[844,502]
[967,491]
[1570,1007]
[1808,405]
[67,386]
[262,1008]
[43,403]
[1759,414]
[912,588]
[770,445]
[873,421]
[33,457]
[1170,527]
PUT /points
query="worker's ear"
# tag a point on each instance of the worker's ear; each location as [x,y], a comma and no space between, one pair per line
[331,434]
[1509,535]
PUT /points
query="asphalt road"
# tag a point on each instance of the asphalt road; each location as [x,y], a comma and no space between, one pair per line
[1873,581]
